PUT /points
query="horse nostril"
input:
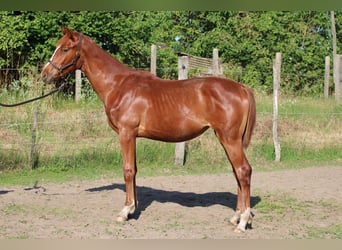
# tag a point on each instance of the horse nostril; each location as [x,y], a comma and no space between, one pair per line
[44,76]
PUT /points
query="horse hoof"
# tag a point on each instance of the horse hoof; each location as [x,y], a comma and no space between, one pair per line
[233,222]
[238,230]
[121,218]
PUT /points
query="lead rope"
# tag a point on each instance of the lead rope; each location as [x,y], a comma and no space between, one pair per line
[36,98]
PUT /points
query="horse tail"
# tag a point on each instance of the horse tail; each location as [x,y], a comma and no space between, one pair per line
[246,138]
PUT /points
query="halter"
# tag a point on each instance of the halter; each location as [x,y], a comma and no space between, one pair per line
[74,60]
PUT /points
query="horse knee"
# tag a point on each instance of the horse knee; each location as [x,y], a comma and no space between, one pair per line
[244,173]
[129,173]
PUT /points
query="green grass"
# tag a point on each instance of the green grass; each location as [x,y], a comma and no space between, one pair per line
[14,209]
[332,232]
[290,153]
[315,219]
[277,204]
[153,159]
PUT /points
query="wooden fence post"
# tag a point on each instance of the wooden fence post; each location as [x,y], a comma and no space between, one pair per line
[34,153]
[153,59]
[216,65]
[78,85]
[276,85]
[183,65]
[326,76]
[337,77]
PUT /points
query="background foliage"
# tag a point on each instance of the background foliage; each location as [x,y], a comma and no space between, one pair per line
[247,41]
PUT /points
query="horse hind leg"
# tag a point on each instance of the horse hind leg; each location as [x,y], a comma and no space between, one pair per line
[242,172]
[235,219]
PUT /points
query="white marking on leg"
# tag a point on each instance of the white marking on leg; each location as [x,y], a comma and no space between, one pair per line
[236,217]
[245,217]
[123,215]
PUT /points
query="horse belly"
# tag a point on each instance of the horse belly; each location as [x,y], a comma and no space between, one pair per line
[174,116]
[172,128]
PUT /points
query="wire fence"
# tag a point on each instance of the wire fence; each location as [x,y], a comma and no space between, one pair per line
[52,122]
[67,133]
[291,82]
[63,131]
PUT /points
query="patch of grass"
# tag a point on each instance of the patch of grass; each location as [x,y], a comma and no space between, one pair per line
[305,153]
[273,204]
[280,206]
[291,152]
[265,207]
[154,152]
[20,237]
[34,209]
[15,209]
[83,159]
[13,160]
[332,232]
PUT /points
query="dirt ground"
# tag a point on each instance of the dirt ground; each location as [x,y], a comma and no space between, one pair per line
[288,204]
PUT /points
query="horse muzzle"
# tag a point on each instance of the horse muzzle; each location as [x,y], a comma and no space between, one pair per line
[49,75]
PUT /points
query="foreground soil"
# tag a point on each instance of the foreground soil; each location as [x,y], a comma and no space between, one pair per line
[288,204]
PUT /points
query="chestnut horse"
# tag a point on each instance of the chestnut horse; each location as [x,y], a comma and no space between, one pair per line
[139,104]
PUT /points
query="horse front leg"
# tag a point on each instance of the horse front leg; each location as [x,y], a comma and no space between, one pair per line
[237,215]
[128,144]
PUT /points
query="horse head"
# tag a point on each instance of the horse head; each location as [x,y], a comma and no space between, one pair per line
[66,57]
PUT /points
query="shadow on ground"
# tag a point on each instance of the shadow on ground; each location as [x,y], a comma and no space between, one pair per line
[146,195]
[5,191]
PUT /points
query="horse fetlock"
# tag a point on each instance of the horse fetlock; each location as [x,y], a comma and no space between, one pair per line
[123,215]
[121,218]
[245,218]
[132,208]
[236,218]
[239,230]
[250,220]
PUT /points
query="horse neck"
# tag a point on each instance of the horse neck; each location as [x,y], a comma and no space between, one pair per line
[101,68]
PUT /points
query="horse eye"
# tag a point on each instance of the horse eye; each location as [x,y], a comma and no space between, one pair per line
[65,49]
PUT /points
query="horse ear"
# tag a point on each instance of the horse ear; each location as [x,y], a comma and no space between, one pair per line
[65,30]
[68,32]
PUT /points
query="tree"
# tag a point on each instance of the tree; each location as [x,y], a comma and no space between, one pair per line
[247,41]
